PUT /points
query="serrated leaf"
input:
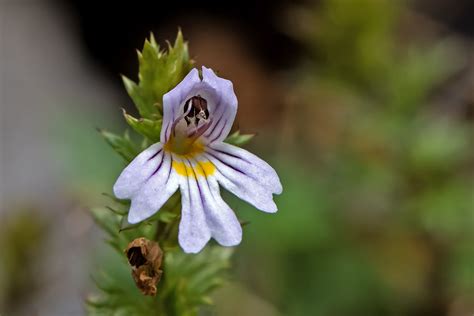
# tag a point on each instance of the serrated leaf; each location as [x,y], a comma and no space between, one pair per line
[105,219]
[121,144]
[151,129]
[116,211]
[125,225]
[238,139]
[159,72]
[113,198]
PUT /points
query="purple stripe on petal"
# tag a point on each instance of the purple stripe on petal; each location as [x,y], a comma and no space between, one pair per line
[227,153]
[189,191]
[169,125]
[155,154]
[206,204]
[216,125]
[211,192]
[220,132]
[197,182]
[167,132]
[219,113]
[171,167]
[230,154]
[213,128]
[171,122]
[231,167]
[219,108]
[225,176]
[209,188]
[226,164]
[157,168]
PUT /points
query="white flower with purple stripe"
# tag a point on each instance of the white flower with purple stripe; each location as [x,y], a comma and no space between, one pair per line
[191,155]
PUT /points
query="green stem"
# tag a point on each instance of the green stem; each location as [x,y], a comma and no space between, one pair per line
[164,230]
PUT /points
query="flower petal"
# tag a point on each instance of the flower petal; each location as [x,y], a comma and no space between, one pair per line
[223,114]
[173,100]
[132,177]
[221,103]
[193,232]
[154,192]
[242,183]
[241,159]
[221,220]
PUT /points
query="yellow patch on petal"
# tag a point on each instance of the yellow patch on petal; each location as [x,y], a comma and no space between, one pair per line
[188,148]
[205,168]
[184,147]
[201,169]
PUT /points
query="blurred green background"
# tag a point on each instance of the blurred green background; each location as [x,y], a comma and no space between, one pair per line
[366,112]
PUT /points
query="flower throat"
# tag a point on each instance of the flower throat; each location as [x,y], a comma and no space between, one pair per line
[189,126]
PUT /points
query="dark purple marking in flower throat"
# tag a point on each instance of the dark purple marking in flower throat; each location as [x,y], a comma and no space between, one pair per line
[198,110]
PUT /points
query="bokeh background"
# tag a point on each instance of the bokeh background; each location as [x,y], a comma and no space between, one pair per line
[364,107]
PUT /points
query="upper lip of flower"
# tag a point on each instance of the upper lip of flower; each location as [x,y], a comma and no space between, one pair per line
[221,104]
[194,158]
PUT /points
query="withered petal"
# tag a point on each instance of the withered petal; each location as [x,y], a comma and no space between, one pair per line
[145,257]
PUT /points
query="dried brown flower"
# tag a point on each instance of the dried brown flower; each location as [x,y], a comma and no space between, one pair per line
[145,257]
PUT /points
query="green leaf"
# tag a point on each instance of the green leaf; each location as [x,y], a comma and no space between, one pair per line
[238,139]
[107,220]
[167,217]
[190,279]
[118,201]
[151,129]
[125,225]
[159,72]
[121,144]
[116,211]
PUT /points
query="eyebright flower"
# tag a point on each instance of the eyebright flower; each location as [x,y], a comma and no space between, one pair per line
[191,155]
